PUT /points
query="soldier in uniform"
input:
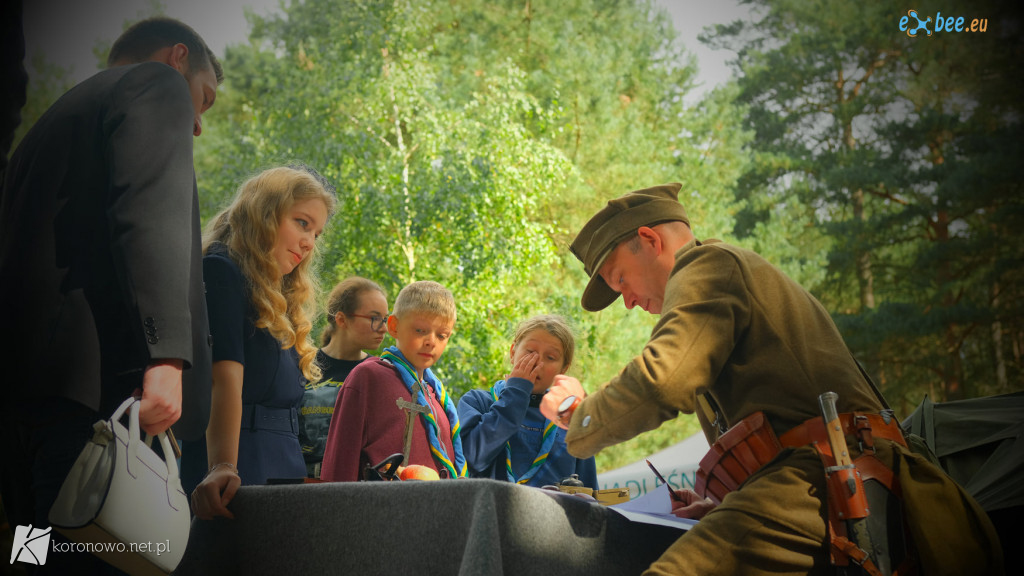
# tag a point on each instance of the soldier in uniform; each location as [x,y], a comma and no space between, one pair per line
[737,339]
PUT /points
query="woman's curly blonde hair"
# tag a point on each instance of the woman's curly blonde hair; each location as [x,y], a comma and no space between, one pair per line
[286,305]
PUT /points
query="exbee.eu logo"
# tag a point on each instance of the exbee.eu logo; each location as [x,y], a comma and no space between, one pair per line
[913,24]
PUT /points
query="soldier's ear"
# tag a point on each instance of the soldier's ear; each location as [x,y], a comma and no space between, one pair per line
[650,237]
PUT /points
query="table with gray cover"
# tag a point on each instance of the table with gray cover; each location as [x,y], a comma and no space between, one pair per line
[471,527]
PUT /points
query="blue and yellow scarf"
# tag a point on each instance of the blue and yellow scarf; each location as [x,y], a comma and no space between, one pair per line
[548,440]
[456,467]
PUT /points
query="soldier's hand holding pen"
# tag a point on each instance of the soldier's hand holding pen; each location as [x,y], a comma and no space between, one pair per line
[687,504]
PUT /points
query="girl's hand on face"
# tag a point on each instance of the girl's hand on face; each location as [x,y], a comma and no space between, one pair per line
[527,367]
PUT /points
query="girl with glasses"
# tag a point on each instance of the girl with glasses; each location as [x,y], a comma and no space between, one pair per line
[357,313]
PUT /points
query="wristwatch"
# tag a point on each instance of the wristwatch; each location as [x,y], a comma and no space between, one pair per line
[566,408]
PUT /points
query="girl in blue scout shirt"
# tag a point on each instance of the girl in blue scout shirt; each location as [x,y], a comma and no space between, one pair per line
[504,435]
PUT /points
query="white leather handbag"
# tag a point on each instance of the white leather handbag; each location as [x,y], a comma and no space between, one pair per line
[123,502]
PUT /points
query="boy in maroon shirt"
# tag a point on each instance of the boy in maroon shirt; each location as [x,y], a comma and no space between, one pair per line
[368,426]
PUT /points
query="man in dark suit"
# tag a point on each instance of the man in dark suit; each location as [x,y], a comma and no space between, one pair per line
[101,290]
[12,70]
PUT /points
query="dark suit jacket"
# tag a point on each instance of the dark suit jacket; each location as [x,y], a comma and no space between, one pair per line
[100,246]
[12,71]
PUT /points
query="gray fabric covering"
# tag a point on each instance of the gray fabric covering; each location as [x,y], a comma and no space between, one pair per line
[467,527]
[980,444]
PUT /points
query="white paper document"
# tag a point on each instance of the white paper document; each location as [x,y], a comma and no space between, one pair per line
[654,507]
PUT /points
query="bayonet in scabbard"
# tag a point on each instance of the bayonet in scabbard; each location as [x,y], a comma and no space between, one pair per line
[845,486]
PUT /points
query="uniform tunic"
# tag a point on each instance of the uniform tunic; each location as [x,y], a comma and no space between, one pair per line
[272,384]
[736,328]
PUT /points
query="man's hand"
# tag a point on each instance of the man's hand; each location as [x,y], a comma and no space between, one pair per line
[161,396]
[561,388]
[687,504]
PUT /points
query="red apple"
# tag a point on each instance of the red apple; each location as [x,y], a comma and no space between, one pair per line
[418,472]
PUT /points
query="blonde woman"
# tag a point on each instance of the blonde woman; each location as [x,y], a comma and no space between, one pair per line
[260,291]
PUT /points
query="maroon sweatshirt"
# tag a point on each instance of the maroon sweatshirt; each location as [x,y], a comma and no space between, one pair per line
[367,425]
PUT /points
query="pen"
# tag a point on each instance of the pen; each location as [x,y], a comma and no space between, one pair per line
[663,481]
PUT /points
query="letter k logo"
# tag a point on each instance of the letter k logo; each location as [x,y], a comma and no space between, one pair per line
[30,545]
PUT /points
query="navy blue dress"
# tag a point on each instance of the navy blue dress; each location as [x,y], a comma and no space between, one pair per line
[272,385]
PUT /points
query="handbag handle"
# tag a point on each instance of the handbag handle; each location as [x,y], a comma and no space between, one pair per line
[172,463]
[132,405]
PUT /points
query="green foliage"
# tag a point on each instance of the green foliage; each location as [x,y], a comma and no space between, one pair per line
[885,177]
[47,82]
[468,141]
[429,187]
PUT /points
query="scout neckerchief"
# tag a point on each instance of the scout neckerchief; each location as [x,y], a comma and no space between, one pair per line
[550,431]
[406,372]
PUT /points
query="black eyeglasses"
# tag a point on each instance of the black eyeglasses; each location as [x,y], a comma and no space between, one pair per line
[376,321]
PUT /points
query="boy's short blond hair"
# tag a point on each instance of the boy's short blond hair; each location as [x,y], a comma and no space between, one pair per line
[425,297]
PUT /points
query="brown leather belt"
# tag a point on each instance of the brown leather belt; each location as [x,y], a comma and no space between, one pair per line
[864,426]
[751,443]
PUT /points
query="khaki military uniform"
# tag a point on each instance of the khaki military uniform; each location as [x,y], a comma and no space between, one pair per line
[737,336]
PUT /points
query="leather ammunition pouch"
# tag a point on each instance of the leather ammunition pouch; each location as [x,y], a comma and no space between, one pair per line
[737,454]
[751,443]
